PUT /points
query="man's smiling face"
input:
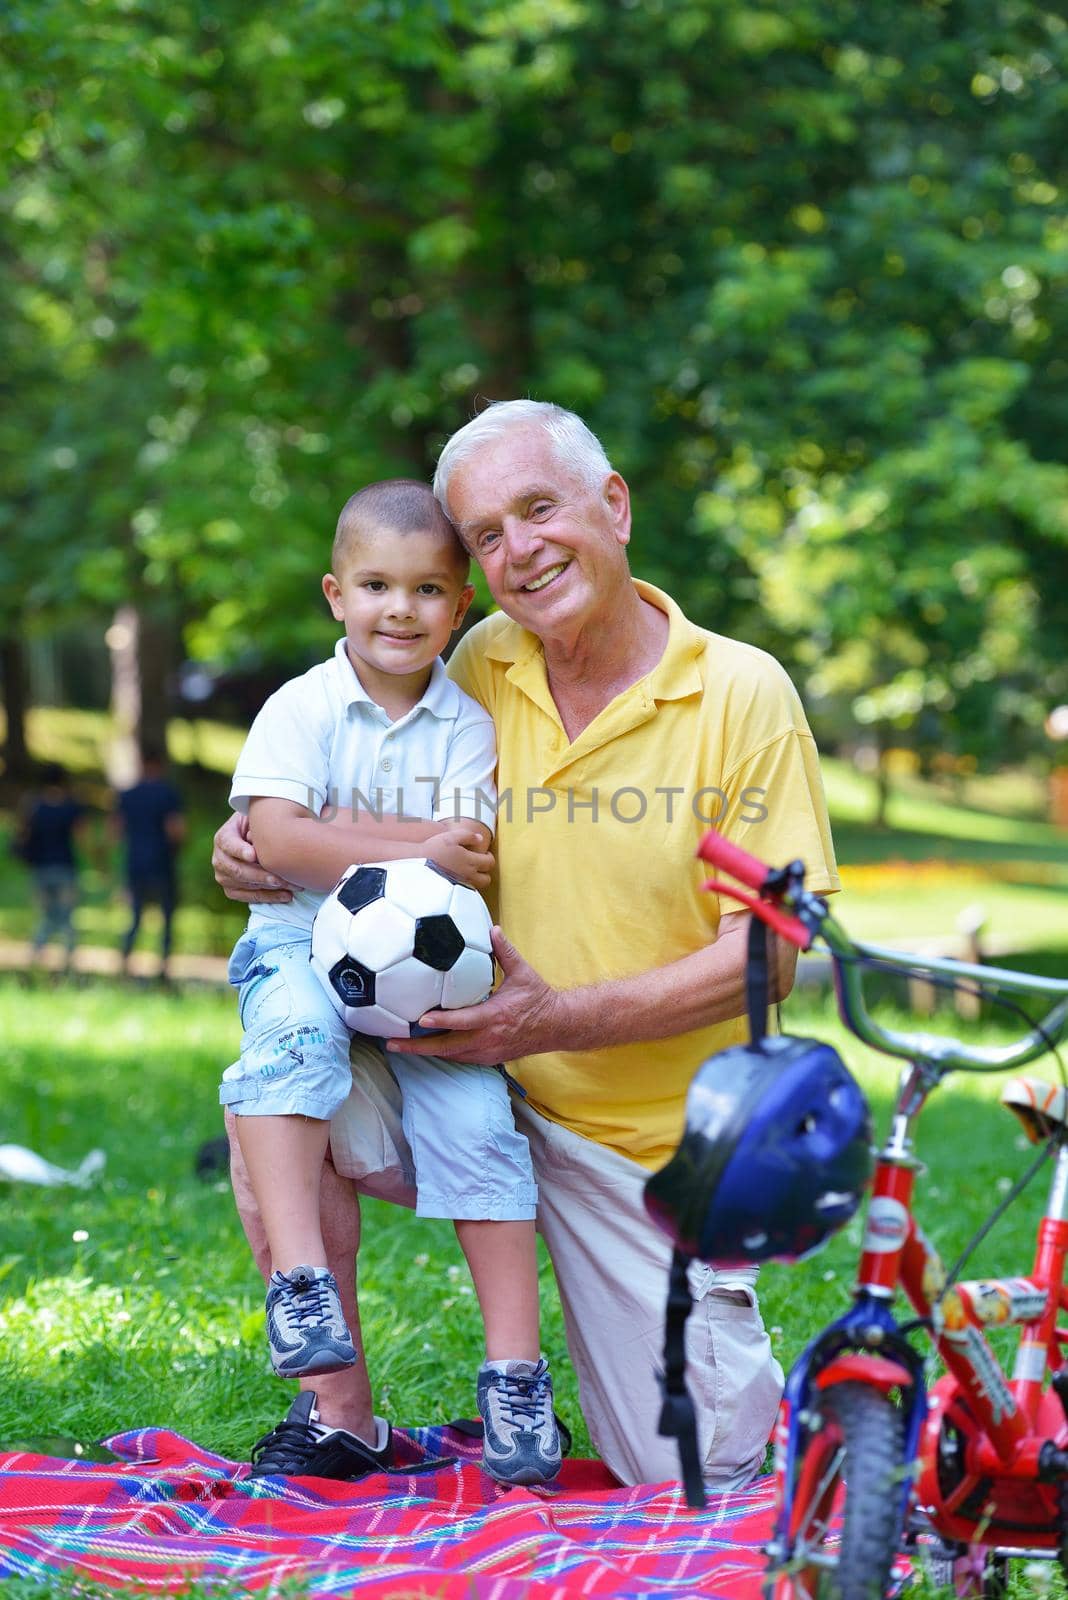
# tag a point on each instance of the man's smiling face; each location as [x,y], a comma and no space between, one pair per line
[553,549]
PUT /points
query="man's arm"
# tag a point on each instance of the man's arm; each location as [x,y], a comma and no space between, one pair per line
[525,1016]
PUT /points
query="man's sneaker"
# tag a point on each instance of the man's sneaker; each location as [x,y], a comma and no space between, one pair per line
[520,1441]
[306,1327]
[301,1446]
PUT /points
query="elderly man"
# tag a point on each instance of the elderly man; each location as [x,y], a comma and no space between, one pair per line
[623,731]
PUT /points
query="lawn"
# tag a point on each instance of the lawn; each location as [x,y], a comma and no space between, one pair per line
[135,1302]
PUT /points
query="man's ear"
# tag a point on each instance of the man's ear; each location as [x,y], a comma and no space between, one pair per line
[332,590]
[617,500]
[467,594]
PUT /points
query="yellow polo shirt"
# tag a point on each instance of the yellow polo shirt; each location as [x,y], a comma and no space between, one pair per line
[597,877]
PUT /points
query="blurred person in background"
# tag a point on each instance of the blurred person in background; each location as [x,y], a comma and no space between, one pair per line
[51,821]
[149,819]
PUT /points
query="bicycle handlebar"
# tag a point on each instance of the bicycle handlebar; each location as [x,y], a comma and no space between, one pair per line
[731,858]
[783,902]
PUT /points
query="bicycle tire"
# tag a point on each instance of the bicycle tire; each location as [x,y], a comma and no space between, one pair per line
[857,1444]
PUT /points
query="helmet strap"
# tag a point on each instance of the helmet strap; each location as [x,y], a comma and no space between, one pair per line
[677,1420]
[756,978]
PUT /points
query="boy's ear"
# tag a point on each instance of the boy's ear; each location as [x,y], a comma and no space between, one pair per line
[332,591]
[467,594]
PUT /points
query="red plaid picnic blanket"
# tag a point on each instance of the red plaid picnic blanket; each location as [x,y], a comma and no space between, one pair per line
[168,1514]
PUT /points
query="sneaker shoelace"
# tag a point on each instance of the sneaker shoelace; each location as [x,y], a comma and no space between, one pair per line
[309,1303]
[286,1445]
[521,1399]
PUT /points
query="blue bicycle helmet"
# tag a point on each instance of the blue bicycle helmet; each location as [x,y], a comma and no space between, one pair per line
[774,1157]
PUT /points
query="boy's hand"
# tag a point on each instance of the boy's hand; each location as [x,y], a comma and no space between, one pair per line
[458,851]
[237,868]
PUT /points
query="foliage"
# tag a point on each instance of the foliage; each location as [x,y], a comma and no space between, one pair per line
[802,267]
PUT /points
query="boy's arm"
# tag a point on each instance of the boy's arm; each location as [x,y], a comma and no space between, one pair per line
[408,830]
[291,842]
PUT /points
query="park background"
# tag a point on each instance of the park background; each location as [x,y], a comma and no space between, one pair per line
[803,268]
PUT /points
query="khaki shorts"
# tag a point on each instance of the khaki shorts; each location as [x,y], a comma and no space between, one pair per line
[611,1267]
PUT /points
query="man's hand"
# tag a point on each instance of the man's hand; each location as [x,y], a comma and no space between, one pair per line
[523,1017]
[458,851]
[237,869]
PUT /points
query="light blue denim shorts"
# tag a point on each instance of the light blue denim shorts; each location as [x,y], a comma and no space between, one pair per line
[470,1161]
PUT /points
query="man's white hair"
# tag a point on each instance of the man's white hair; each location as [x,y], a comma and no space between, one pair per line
[575,445]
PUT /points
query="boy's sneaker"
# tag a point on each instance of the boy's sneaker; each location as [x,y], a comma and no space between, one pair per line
[300,1446]
[306,1327]
[520,1441]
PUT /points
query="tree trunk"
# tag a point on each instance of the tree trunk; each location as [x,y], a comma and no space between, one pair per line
[13,672]
[882,778]
[142,658]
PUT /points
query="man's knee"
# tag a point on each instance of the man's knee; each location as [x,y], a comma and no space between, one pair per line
[742,1383]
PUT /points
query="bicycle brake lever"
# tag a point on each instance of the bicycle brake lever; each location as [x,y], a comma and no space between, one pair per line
[791,928]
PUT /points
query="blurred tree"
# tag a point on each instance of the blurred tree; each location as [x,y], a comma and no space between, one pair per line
[802,268]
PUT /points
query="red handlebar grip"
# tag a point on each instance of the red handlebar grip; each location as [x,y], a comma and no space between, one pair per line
[728,857]
[778,920]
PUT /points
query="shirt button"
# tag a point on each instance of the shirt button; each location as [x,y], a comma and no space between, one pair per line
[387,765]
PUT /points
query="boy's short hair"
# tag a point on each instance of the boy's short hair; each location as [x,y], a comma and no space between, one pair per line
[401,505]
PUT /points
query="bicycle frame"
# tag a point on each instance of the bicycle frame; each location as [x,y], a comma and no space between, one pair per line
[984,1459]
[1003,1423]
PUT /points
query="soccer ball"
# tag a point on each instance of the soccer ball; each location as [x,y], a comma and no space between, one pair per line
[397,939]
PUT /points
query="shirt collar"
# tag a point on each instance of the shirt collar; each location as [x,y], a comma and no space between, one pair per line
[441,696]
[676,675]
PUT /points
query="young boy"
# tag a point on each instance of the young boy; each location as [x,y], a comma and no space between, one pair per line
[372,721]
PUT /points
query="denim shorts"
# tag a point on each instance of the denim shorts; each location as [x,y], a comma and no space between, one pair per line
[470,1163]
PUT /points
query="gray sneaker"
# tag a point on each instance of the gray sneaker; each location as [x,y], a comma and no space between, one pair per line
[520,1441]
[306,1327]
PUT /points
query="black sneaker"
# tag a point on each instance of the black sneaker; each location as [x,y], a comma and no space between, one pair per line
[306,1327]
[521,1441]
[301,1447]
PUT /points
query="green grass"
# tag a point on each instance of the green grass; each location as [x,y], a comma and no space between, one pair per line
[135,1302]
[155,1316]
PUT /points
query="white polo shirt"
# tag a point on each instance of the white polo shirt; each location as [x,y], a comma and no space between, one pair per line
[321,739]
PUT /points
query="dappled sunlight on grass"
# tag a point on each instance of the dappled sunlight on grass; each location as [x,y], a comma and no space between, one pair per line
[136,1302]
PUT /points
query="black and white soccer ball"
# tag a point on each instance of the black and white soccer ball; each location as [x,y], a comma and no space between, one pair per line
[397,939]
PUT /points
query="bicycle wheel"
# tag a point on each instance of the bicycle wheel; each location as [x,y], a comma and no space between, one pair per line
[855,1442]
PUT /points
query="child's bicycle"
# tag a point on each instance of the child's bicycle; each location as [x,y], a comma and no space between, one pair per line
[976,1471]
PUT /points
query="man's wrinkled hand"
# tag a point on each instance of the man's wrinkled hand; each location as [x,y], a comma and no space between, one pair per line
[237,868]
[523,1017]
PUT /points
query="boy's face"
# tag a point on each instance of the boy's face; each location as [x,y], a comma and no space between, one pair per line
[400,597]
